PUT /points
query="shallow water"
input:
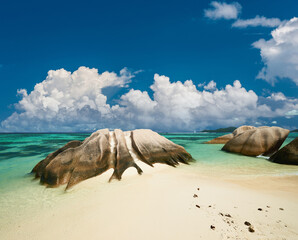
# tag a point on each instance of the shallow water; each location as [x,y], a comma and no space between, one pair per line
[20,194]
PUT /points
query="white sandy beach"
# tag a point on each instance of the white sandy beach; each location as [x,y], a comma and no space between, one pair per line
[161,204]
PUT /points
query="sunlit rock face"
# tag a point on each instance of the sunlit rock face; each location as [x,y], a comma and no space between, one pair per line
[257,141]
[242,129]
[288,154]
[77,161]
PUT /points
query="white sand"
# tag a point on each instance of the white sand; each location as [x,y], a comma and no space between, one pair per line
[160,205]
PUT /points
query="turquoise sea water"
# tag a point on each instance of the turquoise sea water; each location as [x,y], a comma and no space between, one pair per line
[19,153]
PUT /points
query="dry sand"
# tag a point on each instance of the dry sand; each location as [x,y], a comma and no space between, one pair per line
[166,203]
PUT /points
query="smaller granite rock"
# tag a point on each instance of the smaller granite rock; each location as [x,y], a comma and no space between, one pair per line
[288,154]
[257,141]
[222,139]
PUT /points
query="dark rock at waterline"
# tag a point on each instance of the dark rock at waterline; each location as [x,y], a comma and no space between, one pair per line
[78,161]
[288,154]
[257,141]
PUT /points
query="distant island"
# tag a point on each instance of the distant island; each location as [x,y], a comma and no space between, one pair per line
[296,130]
[228,129]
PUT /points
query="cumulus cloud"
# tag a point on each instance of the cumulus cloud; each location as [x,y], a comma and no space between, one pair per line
[210,86]
[66,98]
[280,53]
[258,21]
[222,10]
[292,113]
[277,96]
[67,101]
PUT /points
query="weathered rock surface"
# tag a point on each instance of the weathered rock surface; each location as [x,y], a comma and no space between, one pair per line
[77,161]
[288,154]
[225,138]
[242,129]
[257,141]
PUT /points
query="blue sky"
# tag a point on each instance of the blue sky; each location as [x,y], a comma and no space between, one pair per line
[172,38]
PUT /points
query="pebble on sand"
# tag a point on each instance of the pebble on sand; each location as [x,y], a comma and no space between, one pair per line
[251,229]
[247,223]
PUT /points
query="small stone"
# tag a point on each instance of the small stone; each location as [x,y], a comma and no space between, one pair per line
[228,215]
[209,206]
[198,189]
[260,209]
[281,209]
[251,229]
[247,223]
[195,195]
[220,214]
[286,226]
[197,206]
[212,227]
[268,206]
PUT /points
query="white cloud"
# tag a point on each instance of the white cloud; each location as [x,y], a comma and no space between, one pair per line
[210,86]
[75,102]
[257,22]
[280,53]
[222,10]
[277,96]
[292,113]
[64,98]
[200,85]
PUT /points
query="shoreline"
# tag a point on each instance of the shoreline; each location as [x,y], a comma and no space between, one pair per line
[161,204]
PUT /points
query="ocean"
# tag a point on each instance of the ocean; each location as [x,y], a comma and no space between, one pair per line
[20,194]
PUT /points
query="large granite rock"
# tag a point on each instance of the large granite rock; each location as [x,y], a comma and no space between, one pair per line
[257,141]
[77,161]
[288,154]
[242,129]
[225,138]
